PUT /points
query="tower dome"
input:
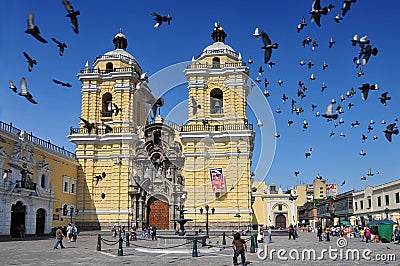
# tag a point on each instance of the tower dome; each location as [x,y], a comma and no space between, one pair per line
[120,41]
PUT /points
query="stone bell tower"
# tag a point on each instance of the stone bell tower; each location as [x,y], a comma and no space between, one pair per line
[217,139]
[113,108]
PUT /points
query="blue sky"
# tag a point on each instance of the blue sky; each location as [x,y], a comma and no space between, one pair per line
[335,158]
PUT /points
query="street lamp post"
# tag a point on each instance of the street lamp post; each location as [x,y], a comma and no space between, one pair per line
[387,213]
[207,213]
[71,211]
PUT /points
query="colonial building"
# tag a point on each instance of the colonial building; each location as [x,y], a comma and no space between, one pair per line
[131,169]
[377,203]
[272,207]
[38,186]
[217,139]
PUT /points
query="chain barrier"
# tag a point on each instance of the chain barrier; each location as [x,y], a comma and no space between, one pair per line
[180,245]
[109,241]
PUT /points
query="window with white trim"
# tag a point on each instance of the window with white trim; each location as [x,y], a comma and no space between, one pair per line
[69,185]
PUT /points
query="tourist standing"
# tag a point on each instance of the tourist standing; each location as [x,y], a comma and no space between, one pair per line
[75,233]
[319,233]
[397,235]
[22,231]
[269,234]
[154,234]
[327,231]
[291,232]
[239,247]
[367,233]
[361,232]
[59,238]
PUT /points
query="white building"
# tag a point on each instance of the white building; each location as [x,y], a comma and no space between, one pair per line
[377,203]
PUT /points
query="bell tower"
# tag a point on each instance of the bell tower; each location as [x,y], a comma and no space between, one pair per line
[113,108]
[217,139]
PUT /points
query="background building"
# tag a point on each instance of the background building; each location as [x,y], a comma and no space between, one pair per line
[38,186]
[377,203]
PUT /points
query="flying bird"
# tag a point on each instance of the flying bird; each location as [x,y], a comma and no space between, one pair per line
[256,33]
[344,182]
[158,104]
[60,45]
[116,109]
[250,60]
[365,88]
[30,61]
[89,126]
[100,177]
[314,45]
[284,98]
[307,154]
[363,153]
[160,19]
[331,42]
[312,77]
[338,18]
[62,83]
[329,112]
[271,64]
[367,52]
[324,65]
[296,173]
[33,29]
[346,6]
[317,11]
[24,92]
[289,122]
[12,86]
[360,72]
[318,176]
[384,98]
[268,46]
[370,172]
[195,106]
[301,25]
[306,41]
[360,41]
[72,14]
[391,129]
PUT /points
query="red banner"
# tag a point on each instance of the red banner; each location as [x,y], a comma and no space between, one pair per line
[217,180]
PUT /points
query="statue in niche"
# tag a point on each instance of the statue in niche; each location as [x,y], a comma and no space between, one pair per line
[169,173]
[147,173]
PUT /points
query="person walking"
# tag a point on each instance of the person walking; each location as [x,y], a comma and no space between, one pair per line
[291,232]
[69,232]
[319,233]
[239,248]
[367,233]
[397,235]
[59,238]
[269,234]
[361,232]
[75,233]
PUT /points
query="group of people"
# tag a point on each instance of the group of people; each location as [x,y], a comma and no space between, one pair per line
[149,231]
[71,232]
[261,234]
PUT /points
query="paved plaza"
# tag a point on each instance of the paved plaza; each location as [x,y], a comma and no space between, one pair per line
[147,252]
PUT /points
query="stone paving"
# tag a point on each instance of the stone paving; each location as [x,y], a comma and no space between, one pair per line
[147,252]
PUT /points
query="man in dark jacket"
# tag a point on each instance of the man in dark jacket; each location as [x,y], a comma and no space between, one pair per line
[239,247]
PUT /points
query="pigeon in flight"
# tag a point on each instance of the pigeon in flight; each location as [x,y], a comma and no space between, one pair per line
[24,92]
[367,52]
[338,18]
[289,122]
[143,77]
[329,112]
[346,6]
[33,29]
[384,98]
[318,176]
[87,125]
[72,14]
[314,45]
[259,123]
[306,41]
[310,65]
[60,45]
[284,98]
[365,88]
[12,86]
[391,129]
[312,77]
[160,19]
[307,154]
[360,41]
[30,61]
[116,109]
[302,63]
[302,24]
[344,182]
[317,11]
[313,106]
[360,73]
[62,83]
[256,33]
[363,153]
[363,177]
[296,173]
[271,64]
[331,42]
[363,138]
[342,134]
[370,172]
[277,135]
[250,60]
[100,177]
[195,106]
[280,82]
[324,65]
[158,104]
[268,46]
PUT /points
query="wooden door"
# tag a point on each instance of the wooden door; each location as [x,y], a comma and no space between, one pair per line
[158,213]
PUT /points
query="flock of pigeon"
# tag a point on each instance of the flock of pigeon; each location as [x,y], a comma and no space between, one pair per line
[332,113]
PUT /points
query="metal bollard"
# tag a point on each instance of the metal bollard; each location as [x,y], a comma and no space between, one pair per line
[98,243]
[223,239]
[120,251]
[194,252]
[253,245]
[127,239]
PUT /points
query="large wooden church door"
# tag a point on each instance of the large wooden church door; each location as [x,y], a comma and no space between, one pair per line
[158,213]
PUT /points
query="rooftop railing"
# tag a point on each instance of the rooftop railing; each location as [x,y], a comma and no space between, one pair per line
[102,131]
[215,66]
[226,127]
[30,137]
[106,71]
[217,52]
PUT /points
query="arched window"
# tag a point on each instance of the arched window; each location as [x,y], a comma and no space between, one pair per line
[157,137]
[106,110]
[43,181]
[109,67]
[216,101]
[216,62]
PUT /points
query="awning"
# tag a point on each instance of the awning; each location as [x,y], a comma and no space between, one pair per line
[345,223]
